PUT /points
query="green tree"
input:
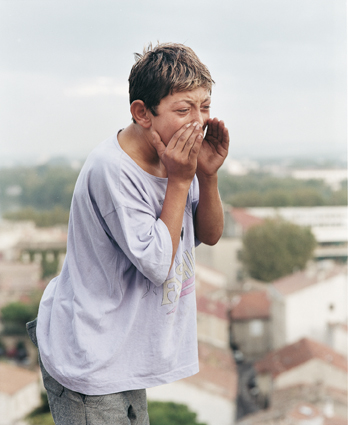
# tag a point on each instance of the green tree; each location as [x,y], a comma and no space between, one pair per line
[276,248]
[169,413]
[15,315]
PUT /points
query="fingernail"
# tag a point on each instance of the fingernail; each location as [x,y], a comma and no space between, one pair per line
[188,125]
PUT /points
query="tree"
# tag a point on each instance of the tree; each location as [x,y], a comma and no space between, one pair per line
[169,413]
[15,315]
[276,248]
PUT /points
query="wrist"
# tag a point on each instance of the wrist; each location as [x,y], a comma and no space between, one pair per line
[207,179]
[179,185]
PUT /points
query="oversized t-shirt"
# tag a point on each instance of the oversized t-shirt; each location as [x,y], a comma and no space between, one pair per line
[114,319]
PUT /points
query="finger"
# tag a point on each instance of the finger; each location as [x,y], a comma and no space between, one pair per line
[221,127]
[157,143]
[197,130]
[226,139]
[196,147]
[209,127]
[180,137]
[215,128]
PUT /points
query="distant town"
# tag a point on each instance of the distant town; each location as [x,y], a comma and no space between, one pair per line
[272,346]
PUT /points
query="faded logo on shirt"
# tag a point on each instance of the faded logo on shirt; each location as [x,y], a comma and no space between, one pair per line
[177,287]
[181,284]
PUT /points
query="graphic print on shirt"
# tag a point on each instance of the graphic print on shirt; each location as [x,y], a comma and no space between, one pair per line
[174,288]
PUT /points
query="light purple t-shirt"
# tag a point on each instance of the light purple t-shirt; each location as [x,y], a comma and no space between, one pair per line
[114,319]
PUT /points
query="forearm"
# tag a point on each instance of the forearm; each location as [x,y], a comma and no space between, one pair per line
[209,219]
[173,211]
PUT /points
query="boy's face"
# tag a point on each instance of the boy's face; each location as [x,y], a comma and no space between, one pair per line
[178,109]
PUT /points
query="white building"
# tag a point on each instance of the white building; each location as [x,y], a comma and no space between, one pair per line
[19,393]
[308,303]
[304,362]
[332,177]
[328,224]
[212,392]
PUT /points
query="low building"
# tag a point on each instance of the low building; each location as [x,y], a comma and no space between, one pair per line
[329,225]
[19,393]
[331,401]
[213,316]
[18,280]
[251,325]
[337,337]
[211,393]
[303,404]
[224,257]
[301,414]
[307,304]
[304,362]
[333,177]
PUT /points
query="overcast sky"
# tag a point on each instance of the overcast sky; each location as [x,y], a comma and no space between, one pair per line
[279,67]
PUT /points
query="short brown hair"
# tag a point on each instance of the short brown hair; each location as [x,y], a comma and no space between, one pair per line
[165,69]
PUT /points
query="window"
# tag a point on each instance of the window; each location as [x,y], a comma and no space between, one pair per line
[256,328]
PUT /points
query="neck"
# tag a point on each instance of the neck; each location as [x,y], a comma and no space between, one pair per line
[136,142]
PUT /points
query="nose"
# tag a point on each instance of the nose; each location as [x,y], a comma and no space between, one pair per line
[198,116]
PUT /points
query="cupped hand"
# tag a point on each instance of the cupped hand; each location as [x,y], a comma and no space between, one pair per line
[180,155]
[214,148]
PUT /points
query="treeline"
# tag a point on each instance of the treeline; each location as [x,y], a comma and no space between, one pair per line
[42,188]
[265,190]
[43,193]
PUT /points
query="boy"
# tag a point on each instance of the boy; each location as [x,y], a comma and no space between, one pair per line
[121,316]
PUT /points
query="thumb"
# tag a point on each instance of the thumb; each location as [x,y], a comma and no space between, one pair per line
[157,143]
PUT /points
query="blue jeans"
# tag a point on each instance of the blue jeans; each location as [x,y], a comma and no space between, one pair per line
[73,408]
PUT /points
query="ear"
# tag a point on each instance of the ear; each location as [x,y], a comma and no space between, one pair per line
[140,113]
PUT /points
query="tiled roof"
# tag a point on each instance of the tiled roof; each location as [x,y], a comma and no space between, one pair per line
[293,355]
[217,371]
[302,413]
[244,219]
[316,392]
[335,421]
[215,307]
[251,305]
[212,300]
[14,378]
[302,279]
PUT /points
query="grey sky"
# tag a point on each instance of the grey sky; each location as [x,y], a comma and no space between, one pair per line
[279,67]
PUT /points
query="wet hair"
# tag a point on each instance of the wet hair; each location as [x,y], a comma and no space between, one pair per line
[165,69]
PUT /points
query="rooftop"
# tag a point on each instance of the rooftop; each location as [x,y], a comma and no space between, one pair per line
[302,413]
[215,307]
[278,361]
[311,393]
[251,305]
[14,378]
[311,276]
[217,371]
[245,219]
